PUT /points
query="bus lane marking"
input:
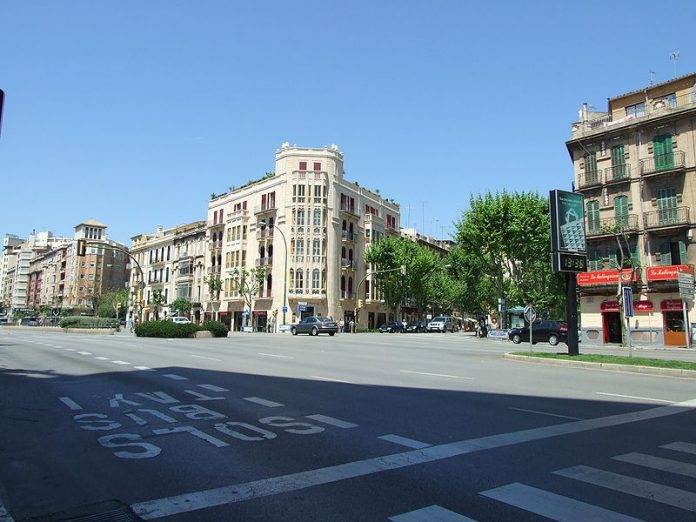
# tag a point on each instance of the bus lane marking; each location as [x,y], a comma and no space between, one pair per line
[263,402]
[212,387]
[331,421]
[175,377]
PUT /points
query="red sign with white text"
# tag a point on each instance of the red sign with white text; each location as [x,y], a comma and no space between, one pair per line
[672,304]
[606,277]
[638,306]
[667,272]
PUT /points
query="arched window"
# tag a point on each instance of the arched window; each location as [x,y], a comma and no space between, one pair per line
[350,286]
[299,280]
[343,252]
[270,251]
[343,225]
[269,285]
[316,281]
[343,284]
[291,279]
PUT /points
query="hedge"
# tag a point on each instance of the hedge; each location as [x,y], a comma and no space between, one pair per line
[170,329]
[81,321]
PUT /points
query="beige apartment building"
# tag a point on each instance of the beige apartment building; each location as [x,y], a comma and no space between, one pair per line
[307,228]
[172,262]
[635,165]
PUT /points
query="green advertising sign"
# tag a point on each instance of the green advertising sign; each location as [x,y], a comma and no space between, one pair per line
[567,222]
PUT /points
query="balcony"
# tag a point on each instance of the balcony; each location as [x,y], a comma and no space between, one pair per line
[237,214]
[266,233]
[617,174]
[347,263]
[611,226]
[348,236]
[672,162]
[347,295]
[373,219]
[264,261]
[589,179]
[667,218]
[348,209]
[215,245]
[268,207]
[214,270]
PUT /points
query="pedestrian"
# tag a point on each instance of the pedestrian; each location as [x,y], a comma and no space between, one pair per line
[341,325]
[351,326]
[129,323]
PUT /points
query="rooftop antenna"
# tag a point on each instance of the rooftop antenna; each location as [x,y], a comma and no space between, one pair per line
[652,78]
[674,56]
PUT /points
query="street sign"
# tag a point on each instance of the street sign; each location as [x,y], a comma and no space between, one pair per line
[529,313]
[627,301]
[302,307]
[285,309]
[686,285]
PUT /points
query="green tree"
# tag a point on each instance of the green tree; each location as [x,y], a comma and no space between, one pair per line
[181,305]
[502,250]
[113,303]
[248,283]
[214,287]
[157,300]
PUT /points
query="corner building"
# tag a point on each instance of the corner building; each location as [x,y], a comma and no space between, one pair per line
[308,228]
[636,167]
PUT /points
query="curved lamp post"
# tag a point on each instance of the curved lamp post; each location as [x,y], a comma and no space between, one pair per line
[285,274]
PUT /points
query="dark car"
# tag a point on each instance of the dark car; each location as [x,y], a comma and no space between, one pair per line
[552,332]
[418,326]
[29,321]
[314,325]
[392,327]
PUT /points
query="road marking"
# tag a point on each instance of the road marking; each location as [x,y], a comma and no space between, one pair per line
[632,486]
[431,514]
[102,358]
[212,387]
[437,375]
[548,414]
[193,501]
[85,353]
[633,397]
[69,349]
[144,368]
[332,421]
[550,505]
[275,355]
[203,357]
[263,402]
[684,447]
[175,377]
[319,377]
[120,362]
[409,443]
[70,403]
[668,465]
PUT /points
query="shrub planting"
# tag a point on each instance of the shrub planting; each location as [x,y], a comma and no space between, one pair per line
[217,328]
[81,321]
[166,329]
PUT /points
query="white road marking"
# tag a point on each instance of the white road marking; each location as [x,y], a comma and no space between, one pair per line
[550,505]
[144,368]
[69,349]
[4,515]
[175,377]
[275,355]
[548,414]
[319,377]
[632,486]
[212,387]
[332,421]
[203,357]
[120,362]
[85,353]
[431,514]
[193,501]
[437,375]
[684,447]
[409,443]
[70,403]
[102,358]
[263,402]
[668,465]
[633,397]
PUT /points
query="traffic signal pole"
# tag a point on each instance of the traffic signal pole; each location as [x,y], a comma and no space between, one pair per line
[572,313]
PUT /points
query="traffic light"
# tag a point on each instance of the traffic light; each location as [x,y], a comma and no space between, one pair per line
[81,247]
[403,269]
[360,303]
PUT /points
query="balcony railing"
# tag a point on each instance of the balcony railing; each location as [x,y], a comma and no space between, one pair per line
[617,173]
[237,214]
[264,234]
[215,245]
[666,218]
[612,225]
[264,261]
[268,207]
[348,209]
[662,163]
[347,263]
[346,235]
[214,269]
[590,179]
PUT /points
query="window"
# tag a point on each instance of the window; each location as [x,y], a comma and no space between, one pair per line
[316,247]
[621,211]
[667,206]
[636,111]
[300,217]
[317,217]
[591,173]
[316,281]
[299,283]
[317,166]
[303,165]
[618,162]
[593,221]
[662,152]
[300,247]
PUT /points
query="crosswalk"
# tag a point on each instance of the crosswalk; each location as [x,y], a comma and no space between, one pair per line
[554,506]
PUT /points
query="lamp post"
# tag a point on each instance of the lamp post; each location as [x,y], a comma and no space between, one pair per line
[285,274]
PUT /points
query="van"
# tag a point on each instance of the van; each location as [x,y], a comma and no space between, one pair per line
[442,323]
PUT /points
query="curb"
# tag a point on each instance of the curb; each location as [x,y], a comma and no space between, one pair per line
[612,367]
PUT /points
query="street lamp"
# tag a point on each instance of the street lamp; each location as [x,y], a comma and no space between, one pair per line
[285,274]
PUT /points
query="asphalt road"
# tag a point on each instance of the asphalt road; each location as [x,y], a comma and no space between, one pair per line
[352,427]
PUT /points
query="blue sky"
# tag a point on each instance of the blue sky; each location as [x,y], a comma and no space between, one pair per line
[133,112]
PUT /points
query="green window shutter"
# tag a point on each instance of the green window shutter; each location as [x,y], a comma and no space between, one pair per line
[682,252]
[593,221]
[618,162]
[667,205]
[591,175]
[662,152]
[635,257]
[665,253]
[594,261]
[621,211]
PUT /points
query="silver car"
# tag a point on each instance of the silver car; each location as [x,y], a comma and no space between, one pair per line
[442,323]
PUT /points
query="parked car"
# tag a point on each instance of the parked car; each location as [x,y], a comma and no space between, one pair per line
[552,332]
[29,321]
[442,323]
[392,327]
[314,325]
[417,326]
[179,320]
